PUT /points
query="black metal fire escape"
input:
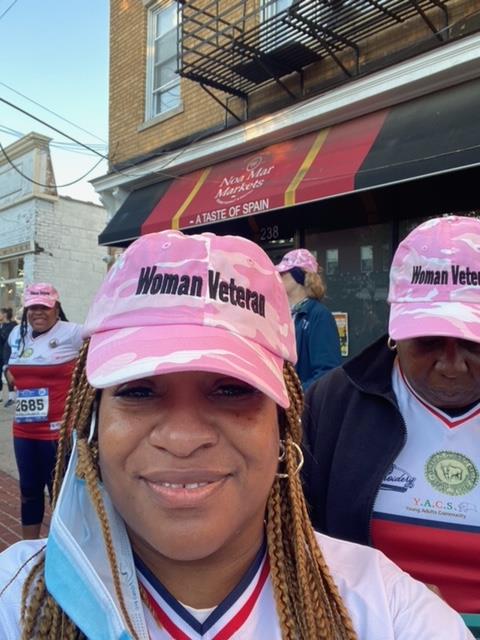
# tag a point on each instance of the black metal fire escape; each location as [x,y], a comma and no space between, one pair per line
[239,46]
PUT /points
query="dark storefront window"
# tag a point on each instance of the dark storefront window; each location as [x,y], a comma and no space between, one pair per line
[356,263]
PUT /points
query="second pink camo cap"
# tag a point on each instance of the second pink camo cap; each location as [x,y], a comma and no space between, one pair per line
[435,281]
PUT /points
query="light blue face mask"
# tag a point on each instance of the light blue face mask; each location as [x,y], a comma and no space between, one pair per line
[77,570]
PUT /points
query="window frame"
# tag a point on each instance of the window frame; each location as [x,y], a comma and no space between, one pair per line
[367,264]
[269,9]
[150,114]
[331,266]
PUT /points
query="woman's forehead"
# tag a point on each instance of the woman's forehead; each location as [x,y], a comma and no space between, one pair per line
[39,307]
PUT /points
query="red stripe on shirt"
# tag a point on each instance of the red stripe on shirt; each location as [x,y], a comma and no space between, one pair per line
[240,618]
[230,628]
[446,558]
[171,627]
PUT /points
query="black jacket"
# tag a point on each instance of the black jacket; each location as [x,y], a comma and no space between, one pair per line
[353,431]
[5,330]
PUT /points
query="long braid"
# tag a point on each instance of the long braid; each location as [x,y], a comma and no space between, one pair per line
[72,402]
[87,470]
[23,331]
[314,607]
[279,561]
[61,313]
[43,619]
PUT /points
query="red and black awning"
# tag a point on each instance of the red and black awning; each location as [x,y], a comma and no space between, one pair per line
[434,134]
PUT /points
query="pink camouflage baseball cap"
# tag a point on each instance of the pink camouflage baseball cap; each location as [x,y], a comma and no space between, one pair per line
[174,302]
[42,293]
[301,258]
[435,281]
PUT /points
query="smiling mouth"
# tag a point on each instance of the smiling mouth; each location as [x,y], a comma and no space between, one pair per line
[185,495]
[190,485]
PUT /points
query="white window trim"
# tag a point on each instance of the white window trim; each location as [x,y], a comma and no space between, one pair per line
[166,115]
[151,118]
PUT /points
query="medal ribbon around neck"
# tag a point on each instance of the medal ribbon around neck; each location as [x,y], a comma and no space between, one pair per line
[163,621]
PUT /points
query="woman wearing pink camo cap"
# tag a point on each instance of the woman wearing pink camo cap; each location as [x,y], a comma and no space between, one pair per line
[42,350]
[316,334]
[180,513]
[394,434]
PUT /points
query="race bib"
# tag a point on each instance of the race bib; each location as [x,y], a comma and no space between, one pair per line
[31,405]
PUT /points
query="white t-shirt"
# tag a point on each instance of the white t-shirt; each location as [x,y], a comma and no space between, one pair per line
[427,512]
[384,602]
[60,344]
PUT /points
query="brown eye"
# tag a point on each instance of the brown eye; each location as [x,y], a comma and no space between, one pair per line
[429,342]
[234,390]
[472,347]
[137,391]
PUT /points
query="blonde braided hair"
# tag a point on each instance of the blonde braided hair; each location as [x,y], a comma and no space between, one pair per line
[308,602]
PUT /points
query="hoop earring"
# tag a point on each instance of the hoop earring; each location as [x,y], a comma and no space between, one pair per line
[299,453]
[391,344]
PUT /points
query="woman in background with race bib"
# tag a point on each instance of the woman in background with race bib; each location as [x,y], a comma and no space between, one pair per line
[43,350]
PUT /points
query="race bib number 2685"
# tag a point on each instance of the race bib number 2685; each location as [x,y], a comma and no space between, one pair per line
[31,405]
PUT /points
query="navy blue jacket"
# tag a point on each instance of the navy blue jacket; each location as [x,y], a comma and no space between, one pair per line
[353,432]
[318,343]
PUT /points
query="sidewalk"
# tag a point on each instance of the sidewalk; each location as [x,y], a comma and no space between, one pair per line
[10,528]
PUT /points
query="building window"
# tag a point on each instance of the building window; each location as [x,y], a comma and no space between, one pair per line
[11,283]
[366,258]
[273,7]
[163,85]
[331,262]
[272,32]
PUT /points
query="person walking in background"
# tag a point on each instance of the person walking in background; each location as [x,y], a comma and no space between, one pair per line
[318,342]
[392,437]
[43,350]
[180,513]
[7,323]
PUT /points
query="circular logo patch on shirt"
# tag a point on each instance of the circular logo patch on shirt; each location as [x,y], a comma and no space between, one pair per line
[451,473]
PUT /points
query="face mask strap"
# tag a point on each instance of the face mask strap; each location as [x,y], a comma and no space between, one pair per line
[93,422]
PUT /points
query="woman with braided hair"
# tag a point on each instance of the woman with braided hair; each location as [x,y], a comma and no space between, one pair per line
[178,510]
[42,351]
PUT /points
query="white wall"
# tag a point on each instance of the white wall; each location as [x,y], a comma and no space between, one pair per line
[67,231]
[17,224]
[64,231]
